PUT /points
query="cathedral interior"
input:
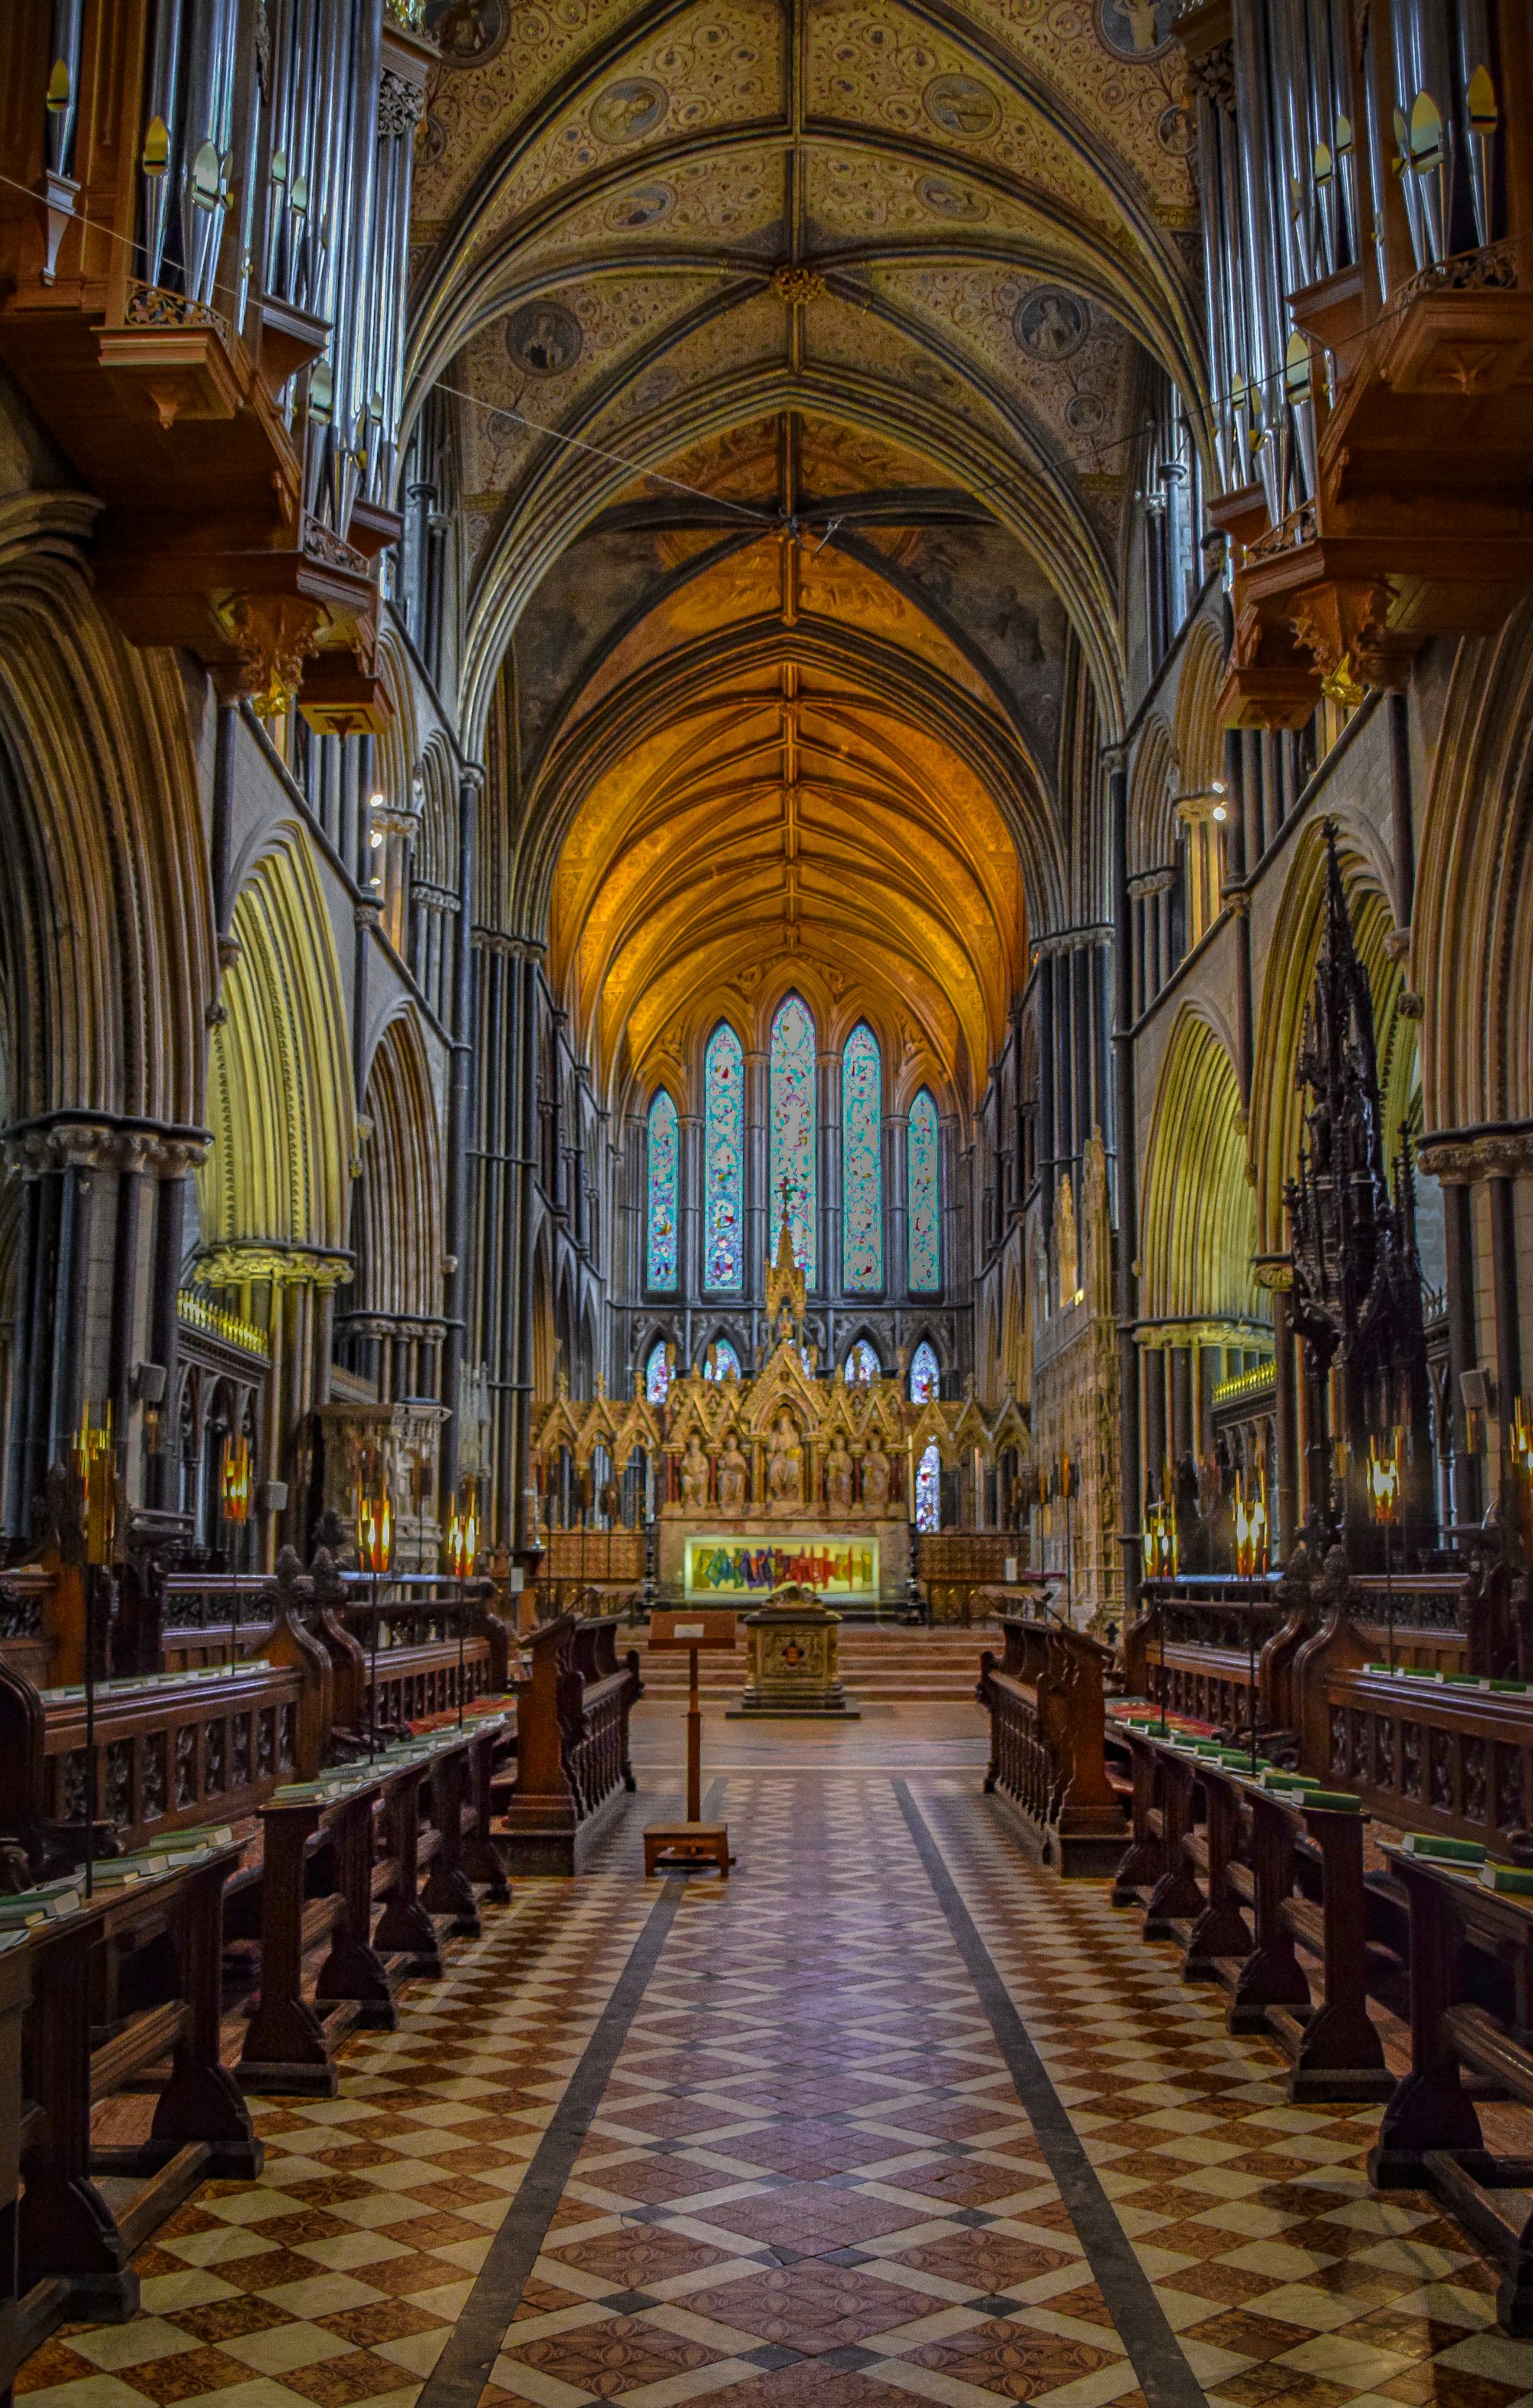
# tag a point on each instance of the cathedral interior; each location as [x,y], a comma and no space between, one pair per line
[766,950]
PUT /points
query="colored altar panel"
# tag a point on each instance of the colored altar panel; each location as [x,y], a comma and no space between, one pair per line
[754,1566]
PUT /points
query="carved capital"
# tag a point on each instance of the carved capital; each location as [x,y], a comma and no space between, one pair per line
[400,102]
[1344,627]
[273,634]
[1495,1153]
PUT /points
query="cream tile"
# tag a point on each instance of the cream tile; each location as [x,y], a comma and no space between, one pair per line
[285,2346]
[322,2295]
[131,2344]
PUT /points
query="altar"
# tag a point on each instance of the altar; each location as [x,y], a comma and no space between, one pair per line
[785,1478]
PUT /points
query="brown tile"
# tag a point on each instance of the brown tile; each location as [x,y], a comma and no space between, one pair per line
[810,2150]
[461,2191]
[672,2119]
[969,2181]
[1013,2359]
[418,2270]
[310,2224]
[1428,2385]
[229,2319]
[538,2299]
[1087,2304]
[811,2217]
[265,2269]
[380,2320]
[617,2355]
[1244,2332]
[328,2190]
[184,2374]
[434,2231]
[336,2381]
[354,2157]
[811,2306]
[55,2363]
[985,2260]
[1231,2285]
[1283,2387]
[638,2256]
[655,2180]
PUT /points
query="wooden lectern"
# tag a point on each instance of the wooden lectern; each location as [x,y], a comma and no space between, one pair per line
[675,1847]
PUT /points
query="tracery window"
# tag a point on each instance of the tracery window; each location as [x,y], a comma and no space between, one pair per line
[723,1160]
[792,1116]
[928,1489]
[924,1198]
[720,1360]
[862,1161]
[925,1377]
[660,1257]
[861,1366]
[657,1373]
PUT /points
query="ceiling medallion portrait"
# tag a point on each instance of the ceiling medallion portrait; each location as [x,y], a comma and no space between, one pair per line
[1085,412]
[1135,29]
[1050,323]
[628,110]
[959,105]
[544,338]
[949,200]
[645,206]
[468,33]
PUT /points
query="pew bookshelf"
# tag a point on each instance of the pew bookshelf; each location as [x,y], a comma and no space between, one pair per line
[280,1883]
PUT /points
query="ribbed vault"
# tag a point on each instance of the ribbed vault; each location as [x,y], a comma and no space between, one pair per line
[846,316]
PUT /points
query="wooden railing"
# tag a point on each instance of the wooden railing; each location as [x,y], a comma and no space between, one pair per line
[1471,1958]
[952,1565]
[573,1764]
[1263,1890]
[1047,1745]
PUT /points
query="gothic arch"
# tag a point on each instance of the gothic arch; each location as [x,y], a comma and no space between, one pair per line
[399,1208]
[107,961]
[1199,1224]
[1473,948]
[279,1095]
[1292,953]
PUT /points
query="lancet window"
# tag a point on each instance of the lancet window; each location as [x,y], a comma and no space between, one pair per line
[862,1161]
[723,1160]
[721,1360]
[925,1377]
[924,1197]
[861,1366]
[660,1256]
[657,1373]
[792,1117]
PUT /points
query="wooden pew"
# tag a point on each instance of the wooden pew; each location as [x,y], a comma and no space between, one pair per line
[122,1983]
[573,1765]
[1253,1883]
[20,2330]
[336,1850]
[1046,1744]
[1471,2011]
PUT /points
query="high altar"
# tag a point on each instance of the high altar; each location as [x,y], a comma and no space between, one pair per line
[784,1478]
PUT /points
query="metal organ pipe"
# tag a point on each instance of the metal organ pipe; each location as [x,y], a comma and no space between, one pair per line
[62,97]
[165,50]
[207,135]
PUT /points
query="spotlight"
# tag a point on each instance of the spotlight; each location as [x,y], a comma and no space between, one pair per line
[1220,813]
[375,839]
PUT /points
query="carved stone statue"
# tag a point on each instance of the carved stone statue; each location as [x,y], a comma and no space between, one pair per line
[838,1476]
[876,1471]
[784,1465]
[695,1476]
[733,1478]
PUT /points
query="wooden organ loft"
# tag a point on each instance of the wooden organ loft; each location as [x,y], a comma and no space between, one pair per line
[191,292]
[1372,352]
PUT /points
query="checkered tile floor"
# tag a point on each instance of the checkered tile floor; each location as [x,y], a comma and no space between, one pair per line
[810,2179]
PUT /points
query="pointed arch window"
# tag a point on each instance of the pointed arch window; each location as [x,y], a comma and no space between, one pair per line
[792,1119]
[861,1366]
[723,1160]
[862,1161]
[928,1489]
[924,1188]
[925,1376]
[657,1373]
[659,1242]
[721,1361]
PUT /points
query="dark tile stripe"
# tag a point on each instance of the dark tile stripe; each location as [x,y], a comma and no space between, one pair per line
[471,2348]
[1164,2376]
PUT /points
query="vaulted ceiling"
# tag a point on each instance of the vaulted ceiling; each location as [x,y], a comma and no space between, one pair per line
[845,310]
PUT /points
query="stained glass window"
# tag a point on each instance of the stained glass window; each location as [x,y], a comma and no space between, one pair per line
[925,1237]
[721,1361]
[660,1264]
[928,1490]
[657,1376]
[862,1365]
[862,1161]
[793,1128]
[925,1378]
[723,1160]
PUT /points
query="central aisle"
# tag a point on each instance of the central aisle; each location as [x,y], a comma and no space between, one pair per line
[892,2117]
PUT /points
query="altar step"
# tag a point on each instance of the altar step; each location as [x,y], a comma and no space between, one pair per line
[878,1664]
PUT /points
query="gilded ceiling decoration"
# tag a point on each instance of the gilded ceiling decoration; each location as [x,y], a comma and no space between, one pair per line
[801,347]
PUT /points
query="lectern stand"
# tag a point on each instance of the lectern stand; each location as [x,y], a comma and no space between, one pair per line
[681,1847]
